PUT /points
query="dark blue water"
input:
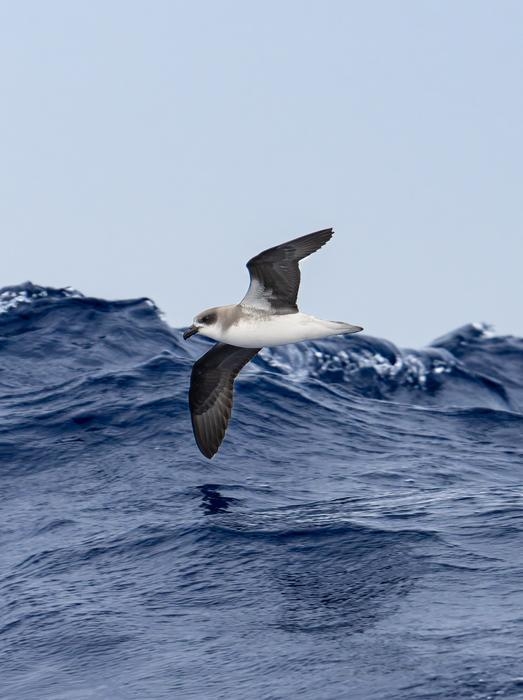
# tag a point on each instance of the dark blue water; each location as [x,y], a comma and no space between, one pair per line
[359,535]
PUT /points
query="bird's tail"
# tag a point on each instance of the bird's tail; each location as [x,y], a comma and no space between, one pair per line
[340,328]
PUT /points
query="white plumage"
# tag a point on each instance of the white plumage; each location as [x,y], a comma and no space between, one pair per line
[256,330]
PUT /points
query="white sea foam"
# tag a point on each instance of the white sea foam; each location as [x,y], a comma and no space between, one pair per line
[12,298]
[413,368]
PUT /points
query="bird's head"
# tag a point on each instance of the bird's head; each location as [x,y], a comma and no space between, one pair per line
[204,323]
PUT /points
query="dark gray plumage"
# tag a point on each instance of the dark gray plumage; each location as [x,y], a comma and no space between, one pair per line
[210,395]
[275,274]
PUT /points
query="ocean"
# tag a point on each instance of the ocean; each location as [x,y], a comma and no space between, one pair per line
[358,536]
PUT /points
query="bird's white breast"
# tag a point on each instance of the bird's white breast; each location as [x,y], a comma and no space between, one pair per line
[263,330]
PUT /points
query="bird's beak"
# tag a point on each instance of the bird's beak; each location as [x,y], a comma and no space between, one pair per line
[190,331]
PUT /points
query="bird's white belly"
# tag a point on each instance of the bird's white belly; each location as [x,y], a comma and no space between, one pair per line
[267,331]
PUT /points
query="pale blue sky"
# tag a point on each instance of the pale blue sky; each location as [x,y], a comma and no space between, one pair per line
[151,148]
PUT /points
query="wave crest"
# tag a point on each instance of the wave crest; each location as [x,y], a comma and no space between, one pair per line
[72,335]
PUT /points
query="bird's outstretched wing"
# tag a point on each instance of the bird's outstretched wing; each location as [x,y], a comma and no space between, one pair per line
[275,274]
[211,392]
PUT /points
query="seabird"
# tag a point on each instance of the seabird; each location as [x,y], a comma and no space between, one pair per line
[266,316]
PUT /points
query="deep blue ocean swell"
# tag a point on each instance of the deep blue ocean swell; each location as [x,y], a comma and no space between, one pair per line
[359,534]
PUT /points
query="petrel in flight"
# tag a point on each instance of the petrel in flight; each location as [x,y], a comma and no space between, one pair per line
[266,316]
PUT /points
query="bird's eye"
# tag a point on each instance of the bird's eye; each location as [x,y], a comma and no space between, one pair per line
[208,319]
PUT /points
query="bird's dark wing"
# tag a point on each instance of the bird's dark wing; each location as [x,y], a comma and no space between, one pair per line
[210,395]
[275,274]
